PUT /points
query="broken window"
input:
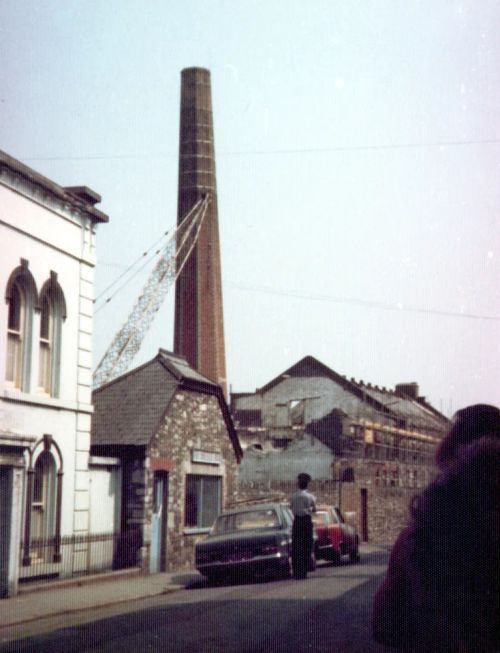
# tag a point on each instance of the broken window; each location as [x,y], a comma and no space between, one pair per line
[296,408]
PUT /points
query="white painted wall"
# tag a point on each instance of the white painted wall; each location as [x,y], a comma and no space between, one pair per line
[52,235]
[105,498]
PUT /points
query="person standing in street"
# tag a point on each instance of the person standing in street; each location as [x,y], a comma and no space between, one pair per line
[303,504]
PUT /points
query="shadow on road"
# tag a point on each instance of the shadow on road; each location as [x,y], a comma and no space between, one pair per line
[231,625]
[190,581]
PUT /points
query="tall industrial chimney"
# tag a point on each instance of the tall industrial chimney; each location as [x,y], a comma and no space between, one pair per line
[199,325]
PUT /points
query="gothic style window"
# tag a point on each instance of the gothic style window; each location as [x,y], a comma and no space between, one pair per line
[42,524]
[52,313]
[21,298]
[46,345]
[43,507]
[16,335]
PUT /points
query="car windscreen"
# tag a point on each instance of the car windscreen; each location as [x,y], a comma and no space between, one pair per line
[246,521]
[320,518]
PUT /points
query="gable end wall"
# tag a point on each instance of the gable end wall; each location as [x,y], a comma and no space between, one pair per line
[193,421]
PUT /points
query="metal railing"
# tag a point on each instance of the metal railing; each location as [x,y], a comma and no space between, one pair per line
[78,555]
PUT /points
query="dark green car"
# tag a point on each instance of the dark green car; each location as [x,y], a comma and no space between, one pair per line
[248,541]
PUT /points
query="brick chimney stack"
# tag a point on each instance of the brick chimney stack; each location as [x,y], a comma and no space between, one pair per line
[199,325]
[407,390]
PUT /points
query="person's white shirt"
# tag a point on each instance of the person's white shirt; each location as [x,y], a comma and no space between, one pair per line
[302,503]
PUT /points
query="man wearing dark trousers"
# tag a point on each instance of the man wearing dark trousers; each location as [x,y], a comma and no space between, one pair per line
[303,504]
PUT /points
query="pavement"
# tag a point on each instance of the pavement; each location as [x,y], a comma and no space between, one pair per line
[65,597]
[73,595]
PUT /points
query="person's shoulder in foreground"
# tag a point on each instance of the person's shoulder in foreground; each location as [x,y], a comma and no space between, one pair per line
[441,591]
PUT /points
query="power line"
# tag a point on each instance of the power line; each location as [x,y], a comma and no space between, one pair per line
[126,283]
[365,303]
[284,151]
[132,265]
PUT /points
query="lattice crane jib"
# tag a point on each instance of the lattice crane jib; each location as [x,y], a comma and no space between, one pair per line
[174,256]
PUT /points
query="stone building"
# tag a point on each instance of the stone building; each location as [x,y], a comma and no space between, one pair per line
[365,447]
[48,238]
[172,431]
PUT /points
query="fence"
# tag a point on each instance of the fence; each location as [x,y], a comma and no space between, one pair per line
[79,555]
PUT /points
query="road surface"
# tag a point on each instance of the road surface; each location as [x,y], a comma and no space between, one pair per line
[327,612]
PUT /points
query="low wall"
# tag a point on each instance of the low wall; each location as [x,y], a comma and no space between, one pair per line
[378,498]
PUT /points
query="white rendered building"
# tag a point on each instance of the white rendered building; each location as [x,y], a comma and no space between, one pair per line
[47,259]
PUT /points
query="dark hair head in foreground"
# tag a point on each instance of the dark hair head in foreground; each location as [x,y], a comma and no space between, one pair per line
[456,534]
[468,425]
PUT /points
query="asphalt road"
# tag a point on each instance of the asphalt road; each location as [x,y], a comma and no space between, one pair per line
[329,611]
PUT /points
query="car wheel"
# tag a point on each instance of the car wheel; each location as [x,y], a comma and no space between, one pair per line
[335,557]
[285,571]
[354,555]
[213,577]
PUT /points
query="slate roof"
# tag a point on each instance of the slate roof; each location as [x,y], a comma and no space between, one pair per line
[415,412]
[310,367]
[129,410]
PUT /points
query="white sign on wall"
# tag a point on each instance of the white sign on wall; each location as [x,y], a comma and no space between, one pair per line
[207,457]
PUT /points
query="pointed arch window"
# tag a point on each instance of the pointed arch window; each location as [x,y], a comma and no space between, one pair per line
[42,525]
[52,313]
[16,335]
[45,366]
[21,297]
[43,507]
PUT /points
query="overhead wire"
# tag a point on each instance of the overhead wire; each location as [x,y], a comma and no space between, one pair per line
[398,306]
[366,303]
[304,150]
[126,283]
[132,265]
[159,252]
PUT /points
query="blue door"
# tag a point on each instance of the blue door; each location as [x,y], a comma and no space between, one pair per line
[158,523]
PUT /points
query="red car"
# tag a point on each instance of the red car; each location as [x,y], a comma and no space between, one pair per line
[335,537]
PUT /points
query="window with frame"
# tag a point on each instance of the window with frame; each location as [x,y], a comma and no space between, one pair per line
[52,312]
[21,297]
[203,500]
[16,335]
[43,505]
[45,367]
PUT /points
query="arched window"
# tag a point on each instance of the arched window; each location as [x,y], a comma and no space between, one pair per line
[43,507]
[21,298]
[42,525]
[45,367]
[52,313]
[16,335]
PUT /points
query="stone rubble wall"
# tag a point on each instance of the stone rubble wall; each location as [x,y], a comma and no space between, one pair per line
[389,487]
[193,421]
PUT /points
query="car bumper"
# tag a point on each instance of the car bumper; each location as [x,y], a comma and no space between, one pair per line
[324,551]
[278,560]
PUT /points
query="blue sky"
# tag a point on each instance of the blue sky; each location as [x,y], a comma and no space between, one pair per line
[358,160]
